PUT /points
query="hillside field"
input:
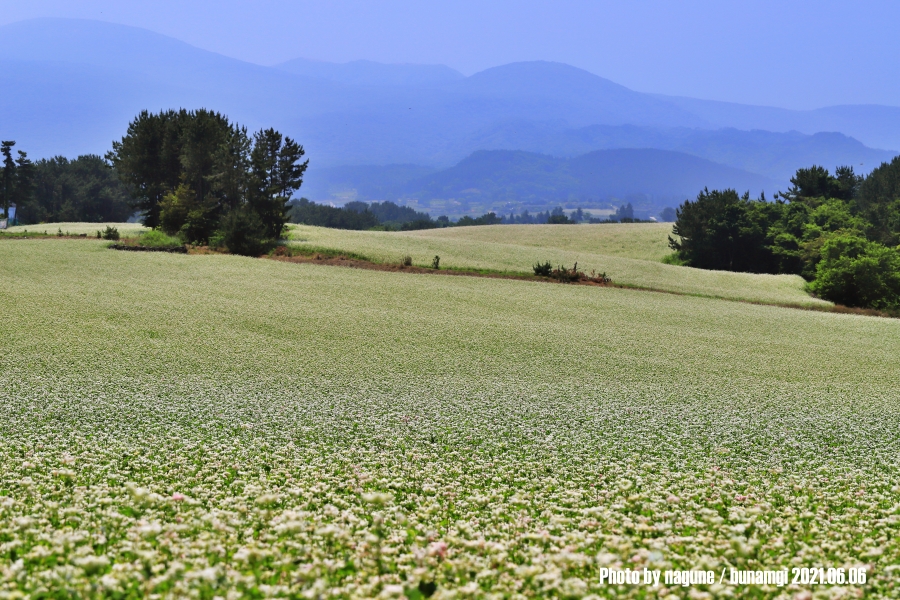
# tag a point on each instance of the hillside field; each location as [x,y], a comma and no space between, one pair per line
[630,253]
[219,426]
[129,229]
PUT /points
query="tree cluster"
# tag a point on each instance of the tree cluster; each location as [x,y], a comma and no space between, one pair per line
[196,175]
[84,190]
[838,231]
[377,215]
[16,179]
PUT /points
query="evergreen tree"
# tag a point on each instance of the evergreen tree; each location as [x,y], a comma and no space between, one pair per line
[148,159]
[878,202]
[276,173]
[23,192]
[7,185]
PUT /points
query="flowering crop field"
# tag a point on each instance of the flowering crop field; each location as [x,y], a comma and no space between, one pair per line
[217,426]
[79,228]
[625,261]
[644,241]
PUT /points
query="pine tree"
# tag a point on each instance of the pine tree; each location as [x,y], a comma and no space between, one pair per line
[9,176]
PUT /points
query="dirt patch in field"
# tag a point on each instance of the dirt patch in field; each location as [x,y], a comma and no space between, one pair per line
[344,261]
[355,263]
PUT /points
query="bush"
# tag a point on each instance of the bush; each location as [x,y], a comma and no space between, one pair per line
[157,239]
[436,262]
[110,233]
[856,272]
[243,232]
[543,270]
[407,261]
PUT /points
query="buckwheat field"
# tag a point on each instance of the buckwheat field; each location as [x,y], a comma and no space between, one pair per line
[217,426]
[631,254]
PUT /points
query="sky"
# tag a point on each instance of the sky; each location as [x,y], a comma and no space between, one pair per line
[787,53]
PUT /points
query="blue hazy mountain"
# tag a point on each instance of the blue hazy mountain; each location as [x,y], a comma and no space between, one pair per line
[71,87]
[504,179]
[366,72]
[775,155]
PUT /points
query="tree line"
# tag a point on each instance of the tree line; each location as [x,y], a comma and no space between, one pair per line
[190,174]
[839,231]
[390,216]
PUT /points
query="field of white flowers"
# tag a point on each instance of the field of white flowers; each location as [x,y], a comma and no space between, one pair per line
[217,426]
[631,262]
[644,241]
[129,229]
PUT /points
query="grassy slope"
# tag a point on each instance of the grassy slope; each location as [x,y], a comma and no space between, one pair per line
[79,228]
[565,427]
[622,256]
[644,241]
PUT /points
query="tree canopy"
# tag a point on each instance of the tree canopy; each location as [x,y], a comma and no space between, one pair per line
[188,171]
[838,231]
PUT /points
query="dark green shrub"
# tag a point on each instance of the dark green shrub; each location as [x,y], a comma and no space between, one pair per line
[110,233]
[543,270]
[243,232]
[407,261]
[436,262]
[856,272]
[565,275]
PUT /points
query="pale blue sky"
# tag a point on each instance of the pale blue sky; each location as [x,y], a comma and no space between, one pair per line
[789,53]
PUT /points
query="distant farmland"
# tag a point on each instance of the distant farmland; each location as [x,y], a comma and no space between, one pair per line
[629,253]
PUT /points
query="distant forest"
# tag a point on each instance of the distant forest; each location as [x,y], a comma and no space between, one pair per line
[390,216]
[89,189]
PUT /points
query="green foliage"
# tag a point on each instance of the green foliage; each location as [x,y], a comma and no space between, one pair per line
[420,224]
[85,189]
[542,269]
[832,229]
[110,233]
[309,213]
[7,177]
[486,219]
[436,262]
[724,231]
[857,272]
[158,239]
[16,180]
[188,168]
[243,232]
[817,182]
[878,202]
[389,213]
[183,214]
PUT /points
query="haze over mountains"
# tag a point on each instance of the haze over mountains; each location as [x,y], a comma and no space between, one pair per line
[70,87]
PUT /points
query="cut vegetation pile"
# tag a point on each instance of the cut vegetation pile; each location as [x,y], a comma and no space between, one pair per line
[222,426]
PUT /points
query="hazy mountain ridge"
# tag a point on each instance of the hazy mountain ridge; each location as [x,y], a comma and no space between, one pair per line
[366,72]
[76,85]
[774,155]
[504,180]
